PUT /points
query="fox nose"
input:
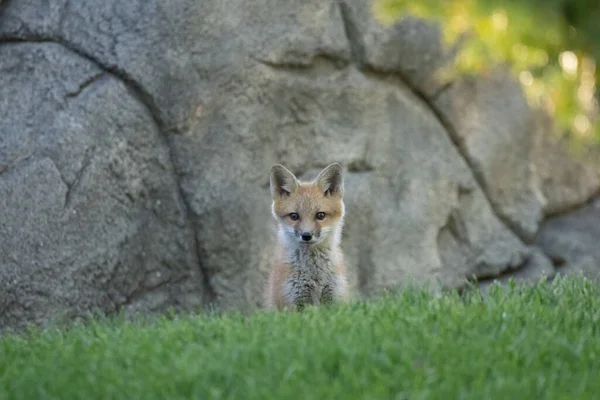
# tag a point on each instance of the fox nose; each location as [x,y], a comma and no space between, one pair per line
[306,236]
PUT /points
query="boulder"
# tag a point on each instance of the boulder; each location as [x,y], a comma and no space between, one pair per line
[136,141]
[571,241]
[91,213]
[491,123]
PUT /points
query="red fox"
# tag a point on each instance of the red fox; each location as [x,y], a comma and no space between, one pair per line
[308,266]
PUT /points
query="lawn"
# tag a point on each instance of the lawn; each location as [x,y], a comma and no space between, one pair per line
[536,342]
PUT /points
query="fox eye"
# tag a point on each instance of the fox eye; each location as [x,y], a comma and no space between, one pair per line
[294,216]
[320,215]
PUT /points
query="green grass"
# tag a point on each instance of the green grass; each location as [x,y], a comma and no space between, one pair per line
[540,342]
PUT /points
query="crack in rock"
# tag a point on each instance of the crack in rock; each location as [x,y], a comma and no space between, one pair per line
[439,91]
[567,210]
[323,58]
[4,168]
[130,298]
[72,187]
[357,46]
[146,99]
[83,85]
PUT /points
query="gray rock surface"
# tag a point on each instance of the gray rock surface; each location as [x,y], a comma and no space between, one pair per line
[91,214]
[573,241]
[492,124]
[411,47]
[567,180]
[538,268]
[136,140]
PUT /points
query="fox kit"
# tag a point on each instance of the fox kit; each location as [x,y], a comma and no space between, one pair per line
[308,267]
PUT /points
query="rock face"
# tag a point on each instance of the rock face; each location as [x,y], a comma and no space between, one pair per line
[136,141]
[572,241]
[495,129]
[411,48]
[565,181]
[91,212]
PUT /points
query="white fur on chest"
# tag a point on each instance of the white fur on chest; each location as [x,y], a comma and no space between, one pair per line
[313,278]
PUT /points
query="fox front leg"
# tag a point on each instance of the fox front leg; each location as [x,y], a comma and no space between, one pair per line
[307,296]
[327,295]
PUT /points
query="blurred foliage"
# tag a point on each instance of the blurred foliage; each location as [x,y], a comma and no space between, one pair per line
[552,46]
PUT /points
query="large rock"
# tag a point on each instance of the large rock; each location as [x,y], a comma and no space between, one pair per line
[567,180]
[410,47]
[177,53]
[413,214]
[140,146]
[572,241]
[406,183]
[510,148]
[494,128]
[91,213]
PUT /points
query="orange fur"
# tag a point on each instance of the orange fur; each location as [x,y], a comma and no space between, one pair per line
[307,272]
[280,272]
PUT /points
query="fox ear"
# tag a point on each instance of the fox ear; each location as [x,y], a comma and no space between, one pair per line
[331,181]
[283,182]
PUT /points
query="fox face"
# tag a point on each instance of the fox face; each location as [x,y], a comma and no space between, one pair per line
[308,213]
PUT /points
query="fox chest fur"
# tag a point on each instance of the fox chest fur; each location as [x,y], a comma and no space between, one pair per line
[312,280]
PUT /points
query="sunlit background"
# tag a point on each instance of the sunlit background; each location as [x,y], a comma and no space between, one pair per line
[551,46]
